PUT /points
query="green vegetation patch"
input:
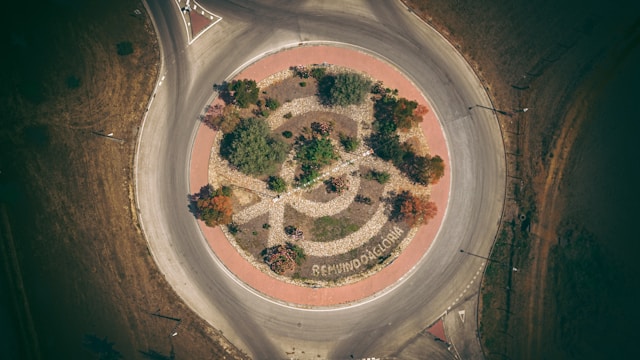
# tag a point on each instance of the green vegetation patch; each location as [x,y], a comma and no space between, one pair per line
[328,228]
[252,149]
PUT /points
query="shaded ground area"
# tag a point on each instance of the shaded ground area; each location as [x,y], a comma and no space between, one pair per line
[570,158]
[77,278]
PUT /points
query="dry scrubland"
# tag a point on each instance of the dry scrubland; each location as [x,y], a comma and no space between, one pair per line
[68,227]
[70,241]
[571,194]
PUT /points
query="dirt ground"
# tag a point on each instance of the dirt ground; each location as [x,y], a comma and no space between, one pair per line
[555,58]
[78,281]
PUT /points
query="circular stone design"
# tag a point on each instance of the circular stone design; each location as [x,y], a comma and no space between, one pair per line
[376,246]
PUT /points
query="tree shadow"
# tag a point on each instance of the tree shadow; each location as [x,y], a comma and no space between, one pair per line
[154,355]
[102,347]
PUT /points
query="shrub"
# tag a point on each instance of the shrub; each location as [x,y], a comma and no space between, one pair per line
[287,134]
[283,259]
[387,146]
[344,89]
[245,92]
[436,169]
[337,184]
[392,113]
[413,210]
[124,48]
[321,128]
[318,72]
[221,118]
[308,176]
[316,153]
[349,143]
[277,184]
[363,199]
[303,83]
[272,103]
[213,206]
[382,177]
[233,228]
[288,115]
[252,149]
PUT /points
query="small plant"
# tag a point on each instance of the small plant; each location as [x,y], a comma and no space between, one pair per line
[308,177]
[272,103]
[382,177]
[337,184]
[321,128]
[349,143]
[266,226]
[288,115]
[233,228]
[264,113]
[301,71]
[287,134]
[303,83]
[254,233]
[318,72]
[290,230]
[363,199]
[284,259]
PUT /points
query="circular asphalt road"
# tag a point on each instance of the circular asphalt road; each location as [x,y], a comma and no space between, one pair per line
[263,328]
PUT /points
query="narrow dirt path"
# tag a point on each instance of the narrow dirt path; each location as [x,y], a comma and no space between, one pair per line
[550,212]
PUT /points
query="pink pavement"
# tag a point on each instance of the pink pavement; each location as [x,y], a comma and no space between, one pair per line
[304,296]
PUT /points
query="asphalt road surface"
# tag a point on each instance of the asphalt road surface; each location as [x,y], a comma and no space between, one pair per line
[266,329]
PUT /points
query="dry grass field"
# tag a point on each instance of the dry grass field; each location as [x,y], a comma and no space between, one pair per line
[571,194]
[75,266]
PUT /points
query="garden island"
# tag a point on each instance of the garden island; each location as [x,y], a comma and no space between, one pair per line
[319,175]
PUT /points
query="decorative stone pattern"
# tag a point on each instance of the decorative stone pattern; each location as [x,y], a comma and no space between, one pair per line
[221,173]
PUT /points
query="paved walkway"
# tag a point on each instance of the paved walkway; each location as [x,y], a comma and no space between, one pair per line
[374,284]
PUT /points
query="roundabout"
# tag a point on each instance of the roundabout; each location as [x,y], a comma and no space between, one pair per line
[321,293]
[425,287]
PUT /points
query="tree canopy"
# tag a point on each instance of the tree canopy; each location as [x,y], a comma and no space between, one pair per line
[412,209]
[252,149]
[344,89]
[245,92]
[212,206]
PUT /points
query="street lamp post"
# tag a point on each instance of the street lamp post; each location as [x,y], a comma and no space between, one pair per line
[513,268]
[508,113]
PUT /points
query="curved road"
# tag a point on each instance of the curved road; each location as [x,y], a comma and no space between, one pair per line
[263,328]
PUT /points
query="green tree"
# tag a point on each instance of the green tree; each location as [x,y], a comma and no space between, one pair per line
[245,92]
[344,89]
[252,149]
[387,146]
[277,184]
[317,152]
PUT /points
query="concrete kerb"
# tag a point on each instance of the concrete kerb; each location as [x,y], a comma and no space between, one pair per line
[373,290]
